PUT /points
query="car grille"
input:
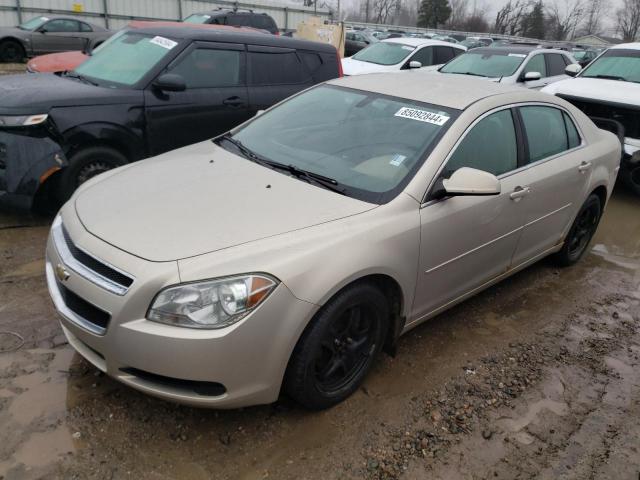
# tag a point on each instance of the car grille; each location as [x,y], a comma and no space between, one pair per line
[94,264]
[86,265]
[629,118]
[84,309]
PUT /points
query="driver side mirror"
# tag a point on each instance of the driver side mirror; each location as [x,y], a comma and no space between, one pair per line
[573,69]
[170,82]
[42,30]
[415,64]
[531,76]
[471,182]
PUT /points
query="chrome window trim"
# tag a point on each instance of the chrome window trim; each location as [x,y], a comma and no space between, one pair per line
[70,261]
[62,308]
[582,144]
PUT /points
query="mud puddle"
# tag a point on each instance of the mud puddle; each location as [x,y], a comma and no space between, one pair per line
[60,418]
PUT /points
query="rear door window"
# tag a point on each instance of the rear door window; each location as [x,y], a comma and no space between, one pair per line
[546,131]
[490,146]
[209,68]
[240,20]
[443,54]
[275,66]
[556,64]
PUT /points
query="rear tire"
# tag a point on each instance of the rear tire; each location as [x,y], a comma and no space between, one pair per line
[11,51]
[86,164]
[581,232]
[338,348]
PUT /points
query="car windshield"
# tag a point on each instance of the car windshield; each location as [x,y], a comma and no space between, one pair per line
[33,23]
[384,53]
[197,18]
[485,64]
[370,144]
[125,59]
[616,64]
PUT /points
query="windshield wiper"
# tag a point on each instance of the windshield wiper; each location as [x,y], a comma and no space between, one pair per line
[610,77]
[325,182]
[82,78]
[468,73]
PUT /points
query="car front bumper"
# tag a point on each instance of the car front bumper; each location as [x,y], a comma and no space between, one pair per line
[240,365]
[25,163]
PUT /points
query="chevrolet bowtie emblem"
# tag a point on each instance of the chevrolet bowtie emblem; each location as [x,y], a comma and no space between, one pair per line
[61,273]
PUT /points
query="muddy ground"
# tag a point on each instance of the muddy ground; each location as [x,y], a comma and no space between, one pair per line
[538,377]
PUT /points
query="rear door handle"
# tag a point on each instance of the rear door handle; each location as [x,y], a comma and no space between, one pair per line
[584,167]
[519,193]
[233,101]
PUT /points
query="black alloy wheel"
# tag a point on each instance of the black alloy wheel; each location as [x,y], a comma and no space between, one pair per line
[347,345]
[581,232]
[338,347]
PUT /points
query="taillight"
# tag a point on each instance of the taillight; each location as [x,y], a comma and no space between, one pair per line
[277,34]
[340,73]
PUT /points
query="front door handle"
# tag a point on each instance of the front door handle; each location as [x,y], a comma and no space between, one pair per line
[233,101]
[584,167]
[519,193]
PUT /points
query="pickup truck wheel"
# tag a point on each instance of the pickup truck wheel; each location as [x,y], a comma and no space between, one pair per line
[631,177]
[337,350]
[11,52]
[86,164]
[581,232]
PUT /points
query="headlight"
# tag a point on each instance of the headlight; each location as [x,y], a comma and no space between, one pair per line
[22,120]
[211,304]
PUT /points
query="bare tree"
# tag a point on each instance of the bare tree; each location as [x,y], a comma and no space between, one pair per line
[459,13]
[509,18]
[383,10]
[593,15]
[564,17]
[628,20]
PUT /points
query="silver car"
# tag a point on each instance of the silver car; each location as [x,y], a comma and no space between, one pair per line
[526,66]
[288,253]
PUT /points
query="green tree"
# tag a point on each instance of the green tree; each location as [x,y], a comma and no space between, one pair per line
[533,23]
[433,13]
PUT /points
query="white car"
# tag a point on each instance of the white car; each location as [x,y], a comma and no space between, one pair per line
[394,54]
[529,67]
[608,90]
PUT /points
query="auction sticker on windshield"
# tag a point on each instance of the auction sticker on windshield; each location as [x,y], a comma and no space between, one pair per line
[422,116]
[163,42]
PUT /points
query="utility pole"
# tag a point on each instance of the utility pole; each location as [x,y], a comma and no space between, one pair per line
[366,12]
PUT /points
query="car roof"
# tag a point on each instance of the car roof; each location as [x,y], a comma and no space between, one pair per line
[628,46]
[418,42]
[450,91]
[237,36]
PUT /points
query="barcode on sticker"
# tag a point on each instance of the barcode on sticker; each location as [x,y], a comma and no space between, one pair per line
[163,42]
[422,116]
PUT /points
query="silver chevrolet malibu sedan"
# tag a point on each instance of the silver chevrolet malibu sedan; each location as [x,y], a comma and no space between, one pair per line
[285,255]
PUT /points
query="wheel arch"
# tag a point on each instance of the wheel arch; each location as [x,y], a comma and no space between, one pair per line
[17,40]
[602,193]
[105,135]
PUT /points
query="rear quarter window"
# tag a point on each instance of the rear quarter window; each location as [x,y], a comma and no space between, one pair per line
[264,23]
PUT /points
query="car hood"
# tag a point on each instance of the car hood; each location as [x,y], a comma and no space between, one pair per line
[356,67]
[200,199]
[14,32]
[597,89]
[56,62]
[37,93]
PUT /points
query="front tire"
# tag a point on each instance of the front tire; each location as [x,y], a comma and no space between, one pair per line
[86,164]
[337,350]
[631,178]
[581,232]
[11,51]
